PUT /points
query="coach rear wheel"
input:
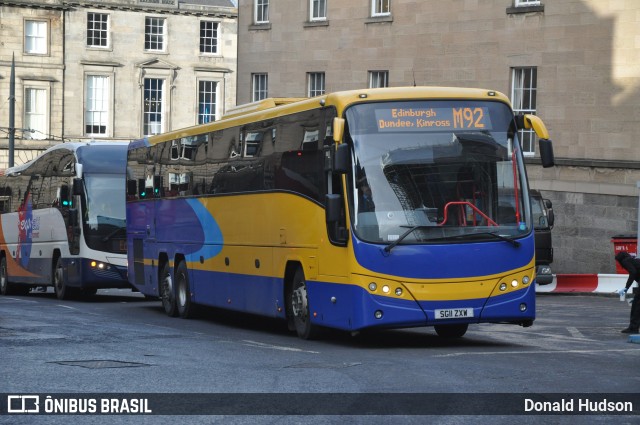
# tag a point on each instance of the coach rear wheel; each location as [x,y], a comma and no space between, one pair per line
[183,291]
[299,307]
[451,331]
[167,293]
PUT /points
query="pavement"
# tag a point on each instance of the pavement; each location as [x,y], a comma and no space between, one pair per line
[590,283]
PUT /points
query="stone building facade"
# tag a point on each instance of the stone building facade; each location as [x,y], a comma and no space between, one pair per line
[575,63]
[119,69]
[32,37]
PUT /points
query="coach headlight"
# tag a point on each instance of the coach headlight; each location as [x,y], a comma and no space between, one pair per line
[379,286]
[98,265]
[516,281]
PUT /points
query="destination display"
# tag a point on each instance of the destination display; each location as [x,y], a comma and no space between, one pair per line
[433,119]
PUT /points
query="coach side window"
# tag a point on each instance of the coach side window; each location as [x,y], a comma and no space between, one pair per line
[5,199]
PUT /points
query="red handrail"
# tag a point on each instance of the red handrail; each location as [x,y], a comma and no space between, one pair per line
[467,203]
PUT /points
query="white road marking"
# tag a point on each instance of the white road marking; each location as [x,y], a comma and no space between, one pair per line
[493,353]
[276,347]
[574,332]
[17,299]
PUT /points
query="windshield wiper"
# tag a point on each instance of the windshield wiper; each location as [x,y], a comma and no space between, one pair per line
[389,247]
[112,234]
[495,235]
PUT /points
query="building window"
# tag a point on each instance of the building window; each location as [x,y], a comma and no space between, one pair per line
[154,33]
[35,113]
[318,10]
[260,87]
[208,37]
[524,3]
[316,84]
[380,7]
[523,98]
[35,37]
[261,11]
[97,30]
[378,79]
[207,93]
[152,119]
[96,113]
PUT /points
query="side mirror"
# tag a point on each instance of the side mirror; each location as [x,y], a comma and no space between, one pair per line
[78,187]
[545,147]
[546,153]
[342,159]
[73,217]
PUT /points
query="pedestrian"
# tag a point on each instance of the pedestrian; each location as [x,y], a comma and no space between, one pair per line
[632,265]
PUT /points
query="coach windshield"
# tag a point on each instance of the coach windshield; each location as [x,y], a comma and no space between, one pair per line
[104,218]
[436,171]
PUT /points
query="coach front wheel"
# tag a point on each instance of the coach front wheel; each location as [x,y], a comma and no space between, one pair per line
[60,287]
[299,307]
[167,292]
[451,331]
[183,292]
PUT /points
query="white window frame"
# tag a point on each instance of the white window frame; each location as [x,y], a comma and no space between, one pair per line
[107,31]
[315,84]
[213,113]
[40,116]
[525,3]
[378,8]
[215,39]
[524,100]
[36,36]
[149,126]
[378,79]
[259,86]
[317,10]
[261,11]
[97,104]
[161,36]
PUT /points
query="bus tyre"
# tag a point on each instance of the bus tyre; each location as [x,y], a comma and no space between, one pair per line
[167,292]
[451,331]
[183,292]
[60,287]
[5,286]
[299,307]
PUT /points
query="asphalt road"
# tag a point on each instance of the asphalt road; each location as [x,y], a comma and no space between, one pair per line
[119,342]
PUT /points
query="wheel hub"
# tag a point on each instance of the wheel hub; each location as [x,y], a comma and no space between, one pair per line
[299,302]
[167,287]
